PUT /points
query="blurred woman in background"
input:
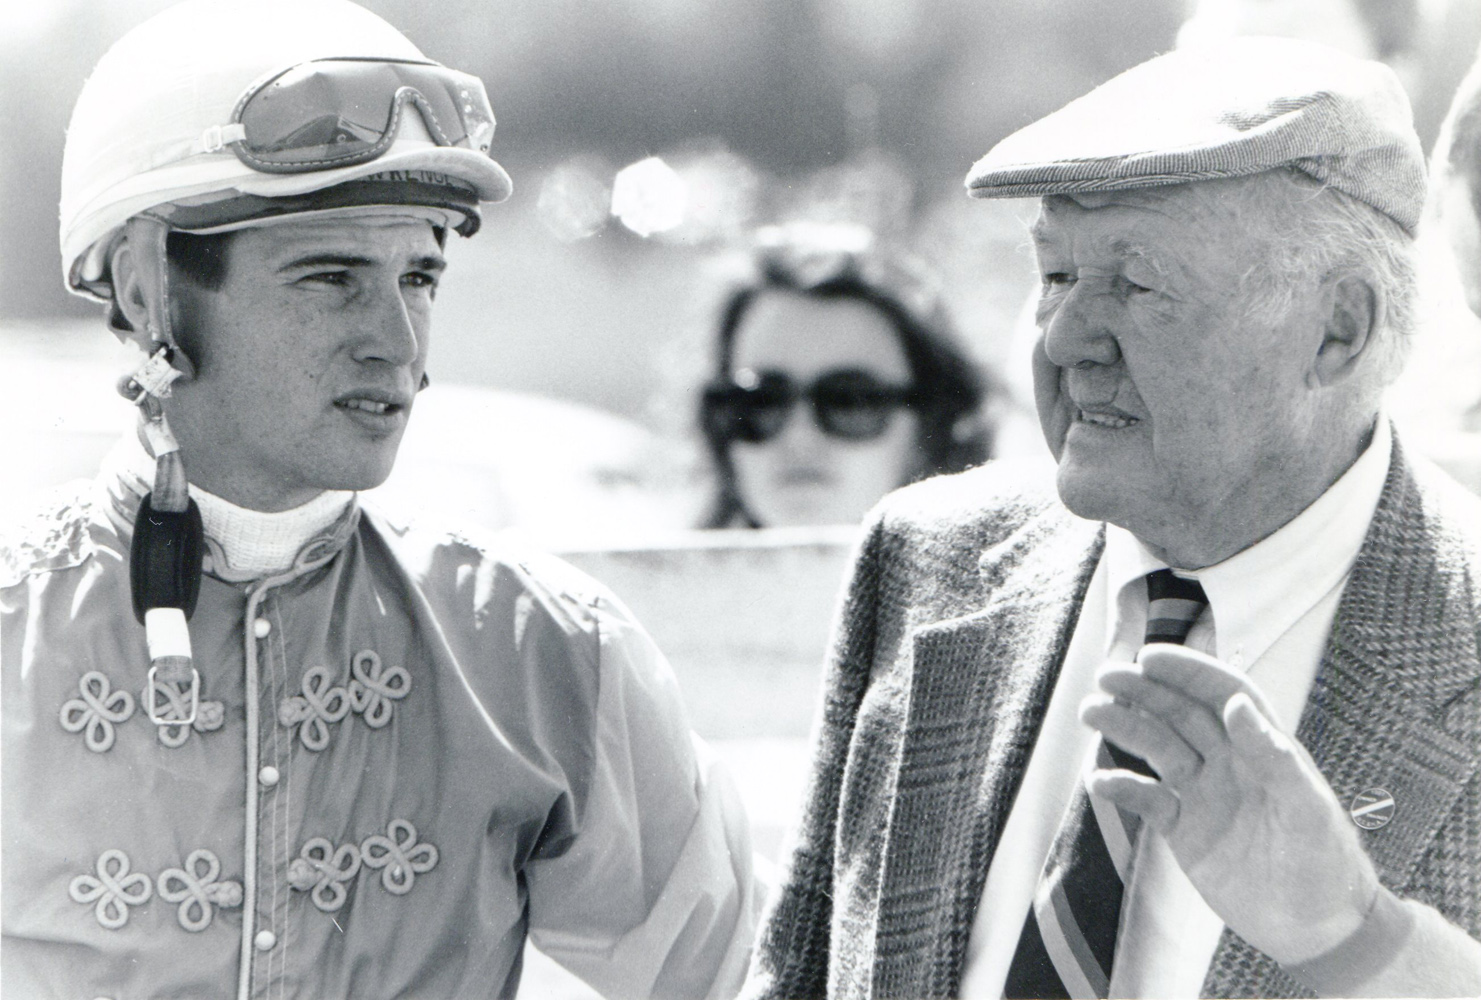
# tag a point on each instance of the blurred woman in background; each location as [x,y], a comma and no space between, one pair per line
[838,379]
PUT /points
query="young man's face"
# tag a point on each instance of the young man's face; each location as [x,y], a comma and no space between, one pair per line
[308,358]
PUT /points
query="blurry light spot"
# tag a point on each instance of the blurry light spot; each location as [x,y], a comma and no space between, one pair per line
[574,201]
[649,196]
[720,196]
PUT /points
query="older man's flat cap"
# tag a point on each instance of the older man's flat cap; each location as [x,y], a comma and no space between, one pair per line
[1239,107]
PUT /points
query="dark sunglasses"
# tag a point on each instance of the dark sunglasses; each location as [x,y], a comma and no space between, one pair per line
[847,403]
[340,112]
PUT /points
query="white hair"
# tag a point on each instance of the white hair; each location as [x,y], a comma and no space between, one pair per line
[1309,232]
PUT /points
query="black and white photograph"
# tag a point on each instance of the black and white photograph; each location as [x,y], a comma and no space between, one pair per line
[766,499]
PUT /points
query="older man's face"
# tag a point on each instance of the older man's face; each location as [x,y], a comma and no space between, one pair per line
[1168,408]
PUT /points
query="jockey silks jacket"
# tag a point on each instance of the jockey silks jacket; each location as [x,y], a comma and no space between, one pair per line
[409,752]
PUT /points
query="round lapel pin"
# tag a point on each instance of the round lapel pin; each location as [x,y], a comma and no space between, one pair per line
[1372,808]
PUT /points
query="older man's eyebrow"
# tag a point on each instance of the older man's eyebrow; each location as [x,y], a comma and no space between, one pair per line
[1128,250]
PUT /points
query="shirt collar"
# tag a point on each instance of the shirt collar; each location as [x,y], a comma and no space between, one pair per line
[1257,594]
[241,544]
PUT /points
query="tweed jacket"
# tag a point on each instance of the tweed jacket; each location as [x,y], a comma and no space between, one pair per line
[954,626]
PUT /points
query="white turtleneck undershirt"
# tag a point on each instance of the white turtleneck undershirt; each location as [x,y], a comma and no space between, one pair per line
[256,542]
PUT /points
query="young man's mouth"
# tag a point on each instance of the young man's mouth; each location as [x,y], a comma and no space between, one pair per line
[373,407]
[368,405]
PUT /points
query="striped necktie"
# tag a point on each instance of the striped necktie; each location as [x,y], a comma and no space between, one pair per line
[1069,937]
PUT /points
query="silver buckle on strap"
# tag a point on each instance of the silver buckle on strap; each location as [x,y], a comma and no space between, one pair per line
[172,712]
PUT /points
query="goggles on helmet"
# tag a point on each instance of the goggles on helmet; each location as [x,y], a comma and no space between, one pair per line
[341,112]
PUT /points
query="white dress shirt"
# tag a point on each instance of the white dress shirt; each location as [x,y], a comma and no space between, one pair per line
[1270,610]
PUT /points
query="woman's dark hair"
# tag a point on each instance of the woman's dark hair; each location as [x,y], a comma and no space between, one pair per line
[950,389]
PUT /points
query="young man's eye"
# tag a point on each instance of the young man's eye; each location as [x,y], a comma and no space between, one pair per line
[420,279]
[327,277]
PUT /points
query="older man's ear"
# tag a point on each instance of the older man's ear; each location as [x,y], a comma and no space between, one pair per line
[1350,330]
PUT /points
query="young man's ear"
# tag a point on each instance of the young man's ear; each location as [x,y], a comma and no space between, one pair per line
[1351,326]
[128,314]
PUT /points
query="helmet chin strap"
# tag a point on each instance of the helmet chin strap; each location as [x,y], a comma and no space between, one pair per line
[168,545]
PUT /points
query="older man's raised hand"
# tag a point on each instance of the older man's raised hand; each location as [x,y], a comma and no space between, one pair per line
[1248,816]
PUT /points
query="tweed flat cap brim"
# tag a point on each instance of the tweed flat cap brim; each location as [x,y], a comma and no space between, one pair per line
[1239,107]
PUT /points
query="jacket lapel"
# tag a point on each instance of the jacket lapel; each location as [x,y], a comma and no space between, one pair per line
[1403,649]
[979,688]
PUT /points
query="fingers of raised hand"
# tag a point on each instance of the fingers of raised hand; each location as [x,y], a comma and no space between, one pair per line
[1147,735]
[1146,797]
[1198,725]
[1270,756]
[1197,675]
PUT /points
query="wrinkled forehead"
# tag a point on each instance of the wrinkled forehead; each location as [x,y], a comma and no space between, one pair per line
[1152,221]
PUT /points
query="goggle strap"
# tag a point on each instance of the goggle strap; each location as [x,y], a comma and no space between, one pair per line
[218,137]
[429,117]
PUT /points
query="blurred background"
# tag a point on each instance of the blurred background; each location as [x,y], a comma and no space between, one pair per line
[645,137]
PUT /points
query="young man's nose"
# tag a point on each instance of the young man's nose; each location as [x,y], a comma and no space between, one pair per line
[389,330]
